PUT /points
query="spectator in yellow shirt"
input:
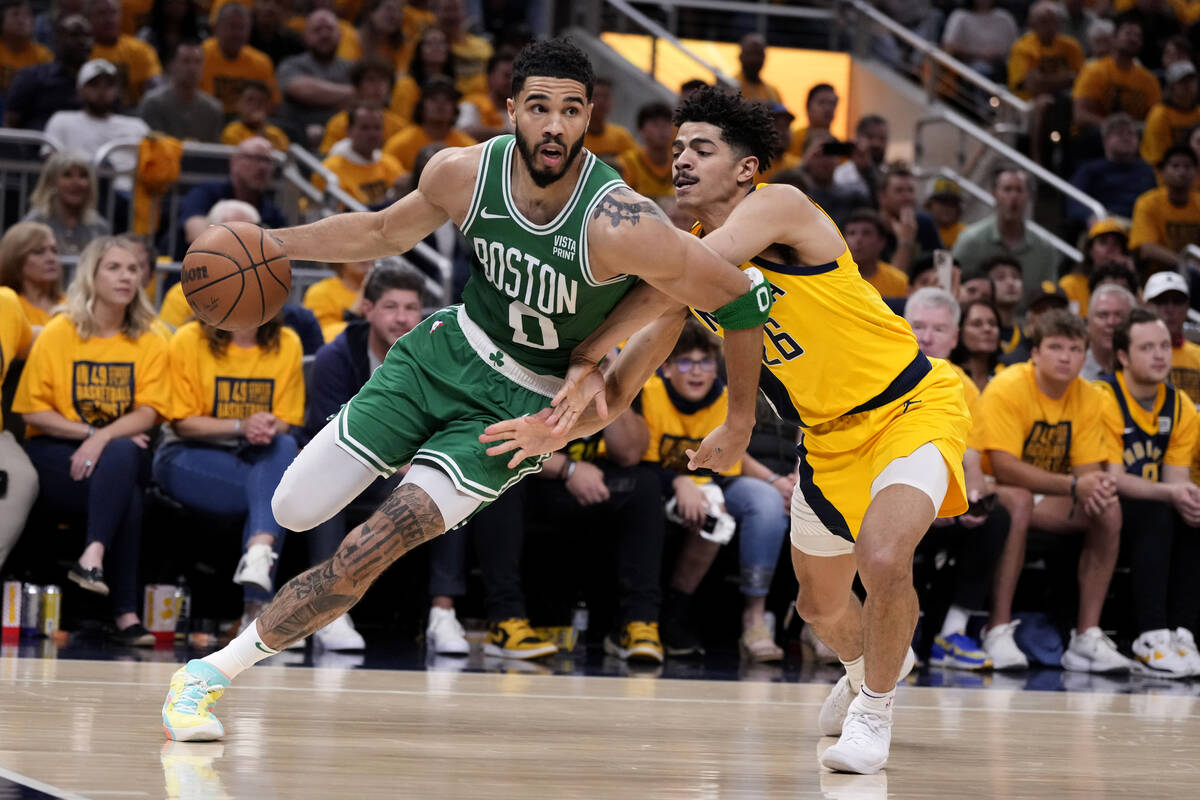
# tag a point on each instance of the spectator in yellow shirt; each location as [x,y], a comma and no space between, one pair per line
[482,115]
[254,103]
[333,298]
[362,170]
[373,79]
[471,52]
[820,107]
[381,34]
[29,265]
[229,60]
[93,388]
[865,233]
[1116,83]
[1170,121]
[16,337]
[433,124]
[647,169]
[945,207]
[137,64]
[1167,219]
[431,57]
[605,139]
[1042,66]
[752,57]
[17,47]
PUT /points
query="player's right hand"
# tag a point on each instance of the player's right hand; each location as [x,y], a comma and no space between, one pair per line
[583,383]
[528,436]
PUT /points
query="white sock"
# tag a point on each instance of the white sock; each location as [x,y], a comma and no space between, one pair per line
[956,621]
[856,670]
[876,702]
[246,650]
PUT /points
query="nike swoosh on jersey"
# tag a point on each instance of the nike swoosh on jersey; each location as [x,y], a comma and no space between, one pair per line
[483,212]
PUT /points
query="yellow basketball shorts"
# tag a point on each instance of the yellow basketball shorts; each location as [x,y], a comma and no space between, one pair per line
[840,459]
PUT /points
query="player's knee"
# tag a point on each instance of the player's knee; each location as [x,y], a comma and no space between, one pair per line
[880,563]
[817,607]
[292,511]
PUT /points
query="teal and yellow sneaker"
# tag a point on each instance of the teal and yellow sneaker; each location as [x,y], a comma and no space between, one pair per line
[958,651]
[186,714]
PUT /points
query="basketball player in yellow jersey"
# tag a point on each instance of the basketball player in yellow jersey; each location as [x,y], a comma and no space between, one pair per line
[884,427]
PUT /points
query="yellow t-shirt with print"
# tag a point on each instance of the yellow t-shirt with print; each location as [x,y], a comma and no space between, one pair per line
[1051,434]
[94,380]
[1166,126]
[644,176]
[673,432]
[36,314]
[175,309]
[888,281]
[136,63]
[16,334]
[328,298]
[614,140]
[406,144]
[1142,457]
[367,183]
[339,123]
[238,384]
[1029,53]
[236,132]
[1156,219]
[1134,91]
[1185,369]
[12,62]
[224,78]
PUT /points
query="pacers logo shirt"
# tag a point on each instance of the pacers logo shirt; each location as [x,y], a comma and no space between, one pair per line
[94,380]
[1144,440]
[677,426]
[1050,434]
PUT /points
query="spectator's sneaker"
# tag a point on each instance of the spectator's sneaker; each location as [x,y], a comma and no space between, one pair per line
[958,651]
[679,639]
[1185,643]
[91,579]
[833,710]
[638,642]
[1157,654]
[186,714]
[864,744]
[340,636]
[1001,646]
[445,635]
[135,635]
[513,638]
[255,568]
[758,645]
[1092,651]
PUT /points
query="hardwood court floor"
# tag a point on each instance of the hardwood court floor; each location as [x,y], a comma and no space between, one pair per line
[91,729]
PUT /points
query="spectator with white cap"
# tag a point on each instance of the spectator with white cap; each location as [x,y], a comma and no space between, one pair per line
[1167,293]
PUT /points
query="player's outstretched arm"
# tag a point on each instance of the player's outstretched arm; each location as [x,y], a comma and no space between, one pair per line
[362,236]
[777,214]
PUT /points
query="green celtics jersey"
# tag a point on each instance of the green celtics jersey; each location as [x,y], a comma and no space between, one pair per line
[531,289]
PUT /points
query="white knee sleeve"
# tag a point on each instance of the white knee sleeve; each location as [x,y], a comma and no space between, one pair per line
[322,481]
[924,469]
[454,505]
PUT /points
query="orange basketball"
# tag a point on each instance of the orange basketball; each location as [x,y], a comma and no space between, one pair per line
[236,276]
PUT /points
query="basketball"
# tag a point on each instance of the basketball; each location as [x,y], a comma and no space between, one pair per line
[236,276]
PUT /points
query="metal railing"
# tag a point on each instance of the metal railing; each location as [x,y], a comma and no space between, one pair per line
[22,154]
[658,32]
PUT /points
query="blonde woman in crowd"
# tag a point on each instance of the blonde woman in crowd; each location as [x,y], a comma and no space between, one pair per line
[65,199]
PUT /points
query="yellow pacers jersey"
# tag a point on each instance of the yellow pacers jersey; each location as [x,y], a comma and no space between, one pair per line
[92,380]
[677,426]
[1144,440]
[238,384]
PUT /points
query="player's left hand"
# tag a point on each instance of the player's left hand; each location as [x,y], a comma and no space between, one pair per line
[528,436]
[583,382]
[720,450]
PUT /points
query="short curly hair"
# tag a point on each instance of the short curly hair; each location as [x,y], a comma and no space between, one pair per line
[746,126]
[553,58]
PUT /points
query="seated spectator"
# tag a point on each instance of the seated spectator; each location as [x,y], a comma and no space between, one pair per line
[331,298]
[1110,308]
[820,107]
[981,37]
[910,232]
[482,115]
[866,233]
[605,139]
[976,538]
[381,34]
[1042,433]
[1008,287]
[349,47]
[1167,294]
[431,58]
[138,67]
[1101,40]
[863,171]
[29,265]
[65,199]
[1152,429]
[1170,121]
[234,396]
[1050,298]
[1119,272]
[433,121]
[17,47]
[253,108]
[782,159]
[21,489]
[1042,67]
[945,207]
[269,33]
[752,57]
[1005,233]
[39,91]
[681,406]
[977,351]
[1107,242]
[471,52]
[976,286]
[94,386]
[372,80]
[168,26]
[1160,23]
[96,124]
[315,84]
[1167,219]
[179,108]
[647,169]
[1117,179]
[229,61]
[1077,20]
[363,170]
[1117,83]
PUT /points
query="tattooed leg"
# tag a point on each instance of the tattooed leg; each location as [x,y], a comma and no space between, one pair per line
[313,599]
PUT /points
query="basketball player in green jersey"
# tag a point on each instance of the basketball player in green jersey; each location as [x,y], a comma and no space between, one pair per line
[558,240]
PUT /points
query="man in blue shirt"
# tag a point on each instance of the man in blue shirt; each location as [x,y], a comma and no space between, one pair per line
[1115,180]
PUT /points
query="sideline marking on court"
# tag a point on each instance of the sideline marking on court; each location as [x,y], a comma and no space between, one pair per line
[35,784]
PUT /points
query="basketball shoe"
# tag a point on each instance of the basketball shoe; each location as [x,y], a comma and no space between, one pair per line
[638,642]
[865,741]
[340,635]
[1001,646]
[1092,651]
[1158,654]
[958,651]
[833,710]
[186,714]
[513,638]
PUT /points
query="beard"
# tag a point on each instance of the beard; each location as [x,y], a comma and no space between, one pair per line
[544,177]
